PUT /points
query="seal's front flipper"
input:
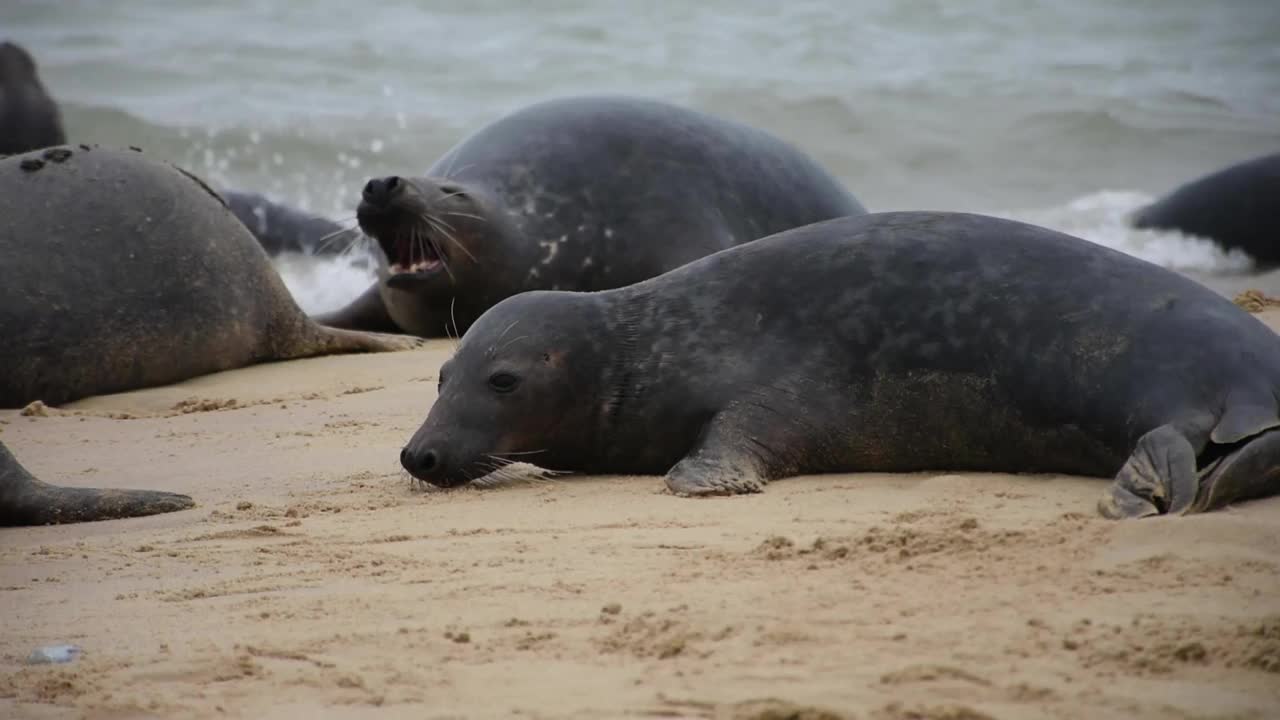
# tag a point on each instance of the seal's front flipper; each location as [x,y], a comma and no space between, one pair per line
[1252,471]
[334,341]
[719,464]
[366,312]
[1159,477]
[24,500]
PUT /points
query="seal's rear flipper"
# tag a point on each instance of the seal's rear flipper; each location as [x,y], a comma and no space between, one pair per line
[1159,477]
[1249,472]
[24,500]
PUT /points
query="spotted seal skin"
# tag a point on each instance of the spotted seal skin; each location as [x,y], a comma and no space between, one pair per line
[582,193]
[29,118]
[892,342]
[120,272]
[25,500]
[1237,207]
[280,228]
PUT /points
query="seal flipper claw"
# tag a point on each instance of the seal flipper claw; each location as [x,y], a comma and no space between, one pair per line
[1252,471]
[1159,475]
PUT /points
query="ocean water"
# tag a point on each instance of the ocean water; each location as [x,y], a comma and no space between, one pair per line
[1069,114]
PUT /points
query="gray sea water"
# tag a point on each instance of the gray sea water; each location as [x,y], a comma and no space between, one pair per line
[1068,114]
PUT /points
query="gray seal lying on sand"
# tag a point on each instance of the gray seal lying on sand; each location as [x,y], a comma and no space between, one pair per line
[118,272]
[892,342]
[29,118]
[1236,207]
[584,193]
[24,500]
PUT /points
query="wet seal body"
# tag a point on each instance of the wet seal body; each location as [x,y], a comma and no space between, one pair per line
[893,342]
[29,118]
[584,193]
[25,500]
[1237,207]
[280,228]
[118,272]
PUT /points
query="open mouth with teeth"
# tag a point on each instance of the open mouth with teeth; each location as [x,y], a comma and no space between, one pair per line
[413,254]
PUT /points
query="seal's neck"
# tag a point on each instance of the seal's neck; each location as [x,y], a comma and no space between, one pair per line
[657,392]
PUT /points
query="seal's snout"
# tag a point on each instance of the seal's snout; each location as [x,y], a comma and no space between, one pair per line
[379,192]
[422,464]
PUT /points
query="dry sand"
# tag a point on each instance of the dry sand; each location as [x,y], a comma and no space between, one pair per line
[313,581]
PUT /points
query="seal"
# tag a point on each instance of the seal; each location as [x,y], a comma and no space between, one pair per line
[281,229]
[580,193]
[25,500]
[1237,207]
[29,118]
[120,272]
[891,342]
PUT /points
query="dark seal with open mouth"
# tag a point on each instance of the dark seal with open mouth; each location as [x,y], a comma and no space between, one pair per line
[122,272]
[1238,207]
[583,193]
[892,342]
[25,500]
[29,118]
[281,229]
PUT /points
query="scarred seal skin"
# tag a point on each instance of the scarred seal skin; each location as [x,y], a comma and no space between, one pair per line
[24,500]
[119,272]
[1237,207]
[581,193]
[892,342]
[29,118]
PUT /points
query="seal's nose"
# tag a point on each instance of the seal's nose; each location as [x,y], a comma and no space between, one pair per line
[381,191]
[420,463]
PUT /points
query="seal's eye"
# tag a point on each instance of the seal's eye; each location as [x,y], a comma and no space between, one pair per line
[503,382]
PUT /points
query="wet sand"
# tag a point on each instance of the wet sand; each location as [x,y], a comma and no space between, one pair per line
[312,580]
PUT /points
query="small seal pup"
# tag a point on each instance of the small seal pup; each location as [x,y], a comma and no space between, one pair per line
[892,342]
[1236,207]
[119,272]
[24,500]
[29,118]
[580,193]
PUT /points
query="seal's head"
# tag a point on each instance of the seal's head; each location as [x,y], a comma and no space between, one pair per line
[16,64]
[517,389]
[427,228]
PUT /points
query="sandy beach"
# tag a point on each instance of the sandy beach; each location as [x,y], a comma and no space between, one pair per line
[312,580]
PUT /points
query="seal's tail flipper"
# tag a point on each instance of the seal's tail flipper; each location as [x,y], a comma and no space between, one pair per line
[45,504]
[1159,477]
[24,500]
[1248,472]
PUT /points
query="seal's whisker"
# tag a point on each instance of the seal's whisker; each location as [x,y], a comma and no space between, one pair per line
[446,196]
[504,332]
[525,452]
[452,319]
[513,340]
[435,247]
[358,239]
[451,237]
[450,169]
[465,215]
[325,240]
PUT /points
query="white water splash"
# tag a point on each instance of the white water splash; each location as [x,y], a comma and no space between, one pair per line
[324,284]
